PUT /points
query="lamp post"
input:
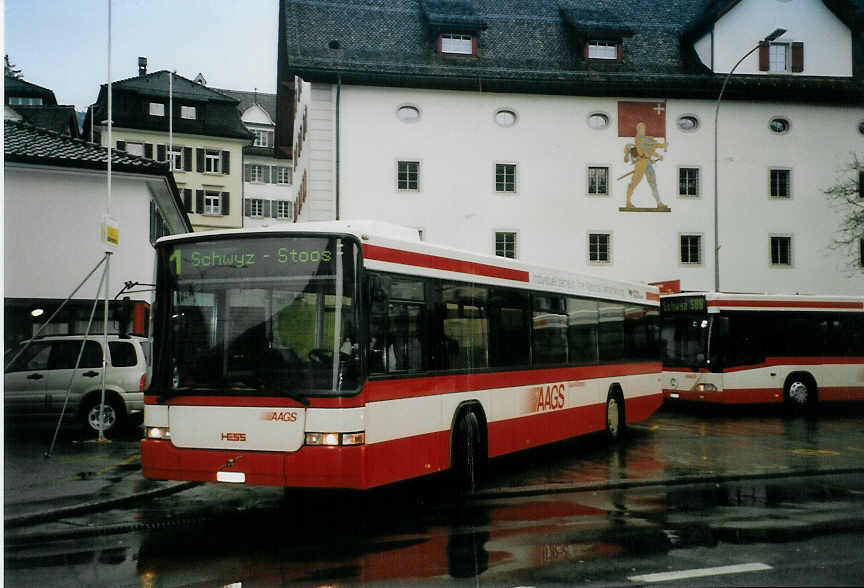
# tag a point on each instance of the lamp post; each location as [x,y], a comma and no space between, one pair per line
[774,35]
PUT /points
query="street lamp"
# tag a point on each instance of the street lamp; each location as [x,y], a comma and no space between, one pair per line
[774,35]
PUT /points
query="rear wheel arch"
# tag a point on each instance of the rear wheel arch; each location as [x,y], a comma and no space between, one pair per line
[112,398]
[468,446]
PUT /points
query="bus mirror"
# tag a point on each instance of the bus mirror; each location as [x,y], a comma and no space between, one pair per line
[722,323]
[379,294]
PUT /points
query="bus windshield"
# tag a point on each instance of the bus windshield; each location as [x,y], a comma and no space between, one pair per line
[685,340]
[273,316]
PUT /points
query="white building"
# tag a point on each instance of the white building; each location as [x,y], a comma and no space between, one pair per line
[55,199]
[502,127]
[268,188]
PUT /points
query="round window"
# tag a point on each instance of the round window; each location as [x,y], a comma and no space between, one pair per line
[408,113]
[598,120]
[505,118]
[779,125]
[688,123]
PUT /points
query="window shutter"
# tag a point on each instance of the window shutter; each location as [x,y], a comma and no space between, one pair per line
[474,45]
[199,160]
[268,209]
[187,199]
[199,201]
[619,51]
[148,150]
[586,49]
[247,207]
[797,57]
[160,152]
[226,169]
[121,145]
[440,44]
[274,174]
[225,204]
[247,172]
[267,174]
[187,159]
[763,56]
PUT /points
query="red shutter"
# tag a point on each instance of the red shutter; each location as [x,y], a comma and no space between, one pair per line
[474,45]
[440,44]
[763,56]
[620,50]
[586,49]
[797,57]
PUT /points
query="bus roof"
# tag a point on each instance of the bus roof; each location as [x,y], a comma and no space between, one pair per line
[394,248]
[717,301]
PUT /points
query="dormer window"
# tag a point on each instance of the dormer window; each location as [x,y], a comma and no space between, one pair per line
[25,101]
[188,112]
[601,49]
[781,57]
[263,138]
[456,44]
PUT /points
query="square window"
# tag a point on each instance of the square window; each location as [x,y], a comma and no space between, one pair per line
[263,138]
[781,251]
[175,158]
[691,249]
[408,176]
[505,177]
[781,183]
[256,207]
[598,247]
[284,209]
[188,112]
[778,57]
[254,172]
[157,109]
[505,244]
[602,50]
[212,162]
[283,174]
[688,182]
[458,44]
[212,203]
[135,148]
[598,181]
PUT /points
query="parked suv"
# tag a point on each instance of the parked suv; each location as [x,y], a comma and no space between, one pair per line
[37,381]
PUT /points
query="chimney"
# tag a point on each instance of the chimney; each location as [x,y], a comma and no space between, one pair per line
[142,66]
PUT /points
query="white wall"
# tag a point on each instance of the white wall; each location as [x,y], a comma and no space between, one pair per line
[458,142]
[827,41]
[52,232]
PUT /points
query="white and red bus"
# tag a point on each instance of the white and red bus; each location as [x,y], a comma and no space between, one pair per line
[761,349]
[353,355]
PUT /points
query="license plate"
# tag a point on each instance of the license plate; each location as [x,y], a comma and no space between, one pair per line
[231,477]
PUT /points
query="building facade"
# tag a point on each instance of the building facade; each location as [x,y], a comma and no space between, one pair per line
[582,134]
[268,188]
[55,199]
[202,139]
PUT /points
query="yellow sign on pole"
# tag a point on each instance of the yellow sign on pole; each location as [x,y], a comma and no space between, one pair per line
[110,231]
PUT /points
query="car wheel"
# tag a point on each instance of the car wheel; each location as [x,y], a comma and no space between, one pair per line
[109,419]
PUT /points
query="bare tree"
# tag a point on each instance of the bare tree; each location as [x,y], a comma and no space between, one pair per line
[9,68]
[847,197]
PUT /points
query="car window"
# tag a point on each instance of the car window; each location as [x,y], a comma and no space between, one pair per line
[122,354]
[35,357]
[64,354]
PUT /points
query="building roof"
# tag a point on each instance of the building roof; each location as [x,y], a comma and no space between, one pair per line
[24,143]
[220,119]
[248,99]
[532,46]
[21,88]
[61,119]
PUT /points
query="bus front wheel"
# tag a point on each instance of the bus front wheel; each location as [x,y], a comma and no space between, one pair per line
[615,423]
[466,458]
[800,392]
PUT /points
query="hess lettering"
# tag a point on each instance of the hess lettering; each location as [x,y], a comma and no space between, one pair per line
[550,397]
[234,436]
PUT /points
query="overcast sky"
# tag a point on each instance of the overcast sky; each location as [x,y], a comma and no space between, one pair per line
[63,44]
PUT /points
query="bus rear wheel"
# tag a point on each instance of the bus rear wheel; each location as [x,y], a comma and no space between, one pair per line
[466,458]
[615,423]
[800,393]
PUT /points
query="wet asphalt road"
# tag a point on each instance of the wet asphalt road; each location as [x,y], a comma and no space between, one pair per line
[777,498]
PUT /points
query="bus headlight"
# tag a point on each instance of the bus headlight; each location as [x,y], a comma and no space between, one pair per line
[706,387]
[335,439]
[158,433]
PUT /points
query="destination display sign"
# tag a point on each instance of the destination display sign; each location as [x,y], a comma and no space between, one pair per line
[683,304]
[253,257]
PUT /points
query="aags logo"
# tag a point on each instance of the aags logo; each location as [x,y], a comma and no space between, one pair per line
[550,397]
